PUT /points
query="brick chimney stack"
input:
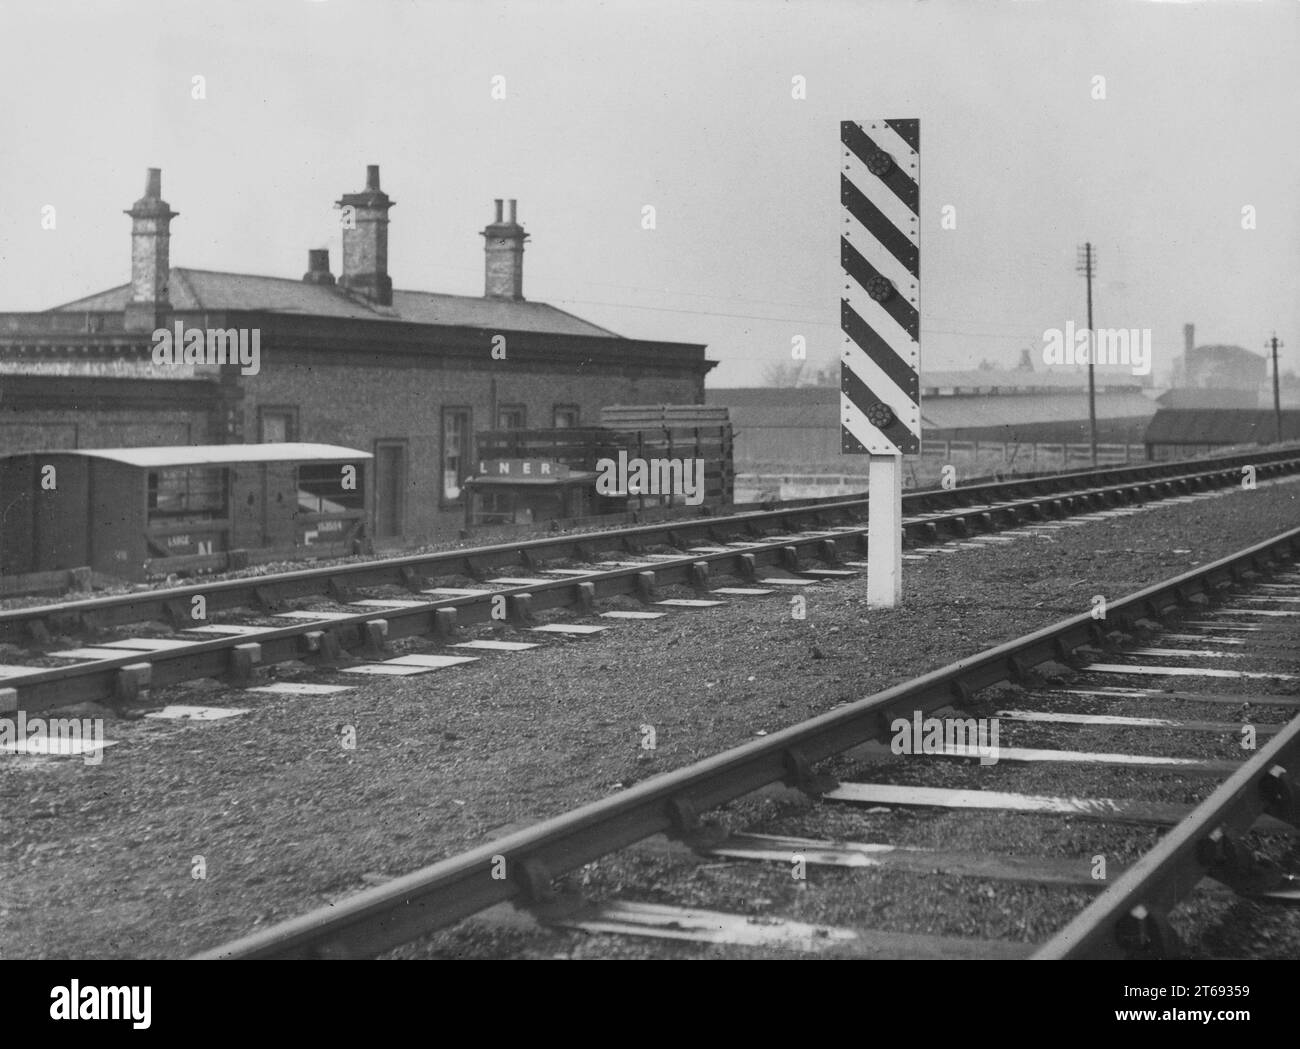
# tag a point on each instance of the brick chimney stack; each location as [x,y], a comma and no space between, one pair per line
[1189,338]
[318,267]
[504,247]
[150,256]
[365,241]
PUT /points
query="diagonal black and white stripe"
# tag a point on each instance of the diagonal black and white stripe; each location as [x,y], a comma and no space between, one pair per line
[879,243]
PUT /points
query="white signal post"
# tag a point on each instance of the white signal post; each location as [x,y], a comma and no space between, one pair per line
[880,390]
[885,531]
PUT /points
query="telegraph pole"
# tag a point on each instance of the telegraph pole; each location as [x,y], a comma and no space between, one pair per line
[1087,265]
[1277,394]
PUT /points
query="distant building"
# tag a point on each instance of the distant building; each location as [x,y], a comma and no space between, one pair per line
[781,425]
[1176,433]
[1215,376]
[408,376]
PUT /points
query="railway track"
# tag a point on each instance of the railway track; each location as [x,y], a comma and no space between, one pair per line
[174,604]
[1227,838]
[228,629]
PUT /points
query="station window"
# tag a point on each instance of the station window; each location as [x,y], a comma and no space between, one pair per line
[277,425]
[565,416]
[456,448]
[188,490]
[321,488]
[511,416]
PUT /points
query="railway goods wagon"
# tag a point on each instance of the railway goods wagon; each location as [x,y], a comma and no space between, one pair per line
[522,476]
[138,513]
[520,491]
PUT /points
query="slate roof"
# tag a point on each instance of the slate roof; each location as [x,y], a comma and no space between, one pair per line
[199,290]
[1220,426]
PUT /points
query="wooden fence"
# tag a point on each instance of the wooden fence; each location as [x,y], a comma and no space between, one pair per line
[1029,454]
[975,459]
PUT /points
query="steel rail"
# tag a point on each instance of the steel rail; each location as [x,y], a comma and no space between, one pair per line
[1131,918]
[172,603]
[382,918]
[235,658]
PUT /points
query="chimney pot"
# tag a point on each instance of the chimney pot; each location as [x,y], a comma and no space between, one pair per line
[151,218]
[365,242]
[318,267]
[504,244]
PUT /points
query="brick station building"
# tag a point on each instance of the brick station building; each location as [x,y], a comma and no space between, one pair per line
[407,375]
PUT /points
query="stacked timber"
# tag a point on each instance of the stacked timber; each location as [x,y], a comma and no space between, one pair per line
[655,432]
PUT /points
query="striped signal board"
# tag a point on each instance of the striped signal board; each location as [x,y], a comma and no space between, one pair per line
[880,254]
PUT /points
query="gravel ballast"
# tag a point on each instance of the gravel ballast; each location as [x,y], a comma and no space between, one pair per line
[281,816]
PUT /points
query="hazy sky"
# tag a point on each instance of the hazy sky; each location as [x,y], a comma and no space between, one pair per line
[687,107]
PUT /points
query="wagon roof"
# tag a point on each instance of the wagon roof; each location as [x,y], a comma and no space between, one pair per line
[217,454]
[496,481]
